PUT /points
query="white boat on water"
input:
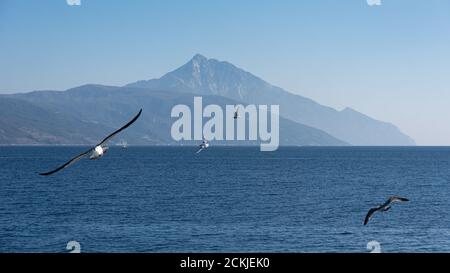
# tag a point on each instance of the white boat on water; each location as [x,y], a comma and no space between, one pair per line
[123,144]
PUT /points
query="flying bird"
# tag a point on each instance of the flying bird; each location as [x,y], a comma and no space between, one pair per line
[97,151]
[385,207]
[204,145]
[236,113]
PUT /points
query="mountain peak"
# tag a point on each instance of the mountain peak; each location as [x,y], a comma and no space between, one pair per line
[199,58]
[349,110]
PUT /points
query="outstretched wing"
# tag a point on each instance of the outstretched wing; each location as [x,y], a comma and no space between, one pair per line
[120,129]
[68,163]
[369,214]
[398,198]
[199,150]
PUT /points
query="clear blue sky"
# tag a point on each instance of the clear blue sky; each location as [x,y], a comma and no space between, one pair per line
[391,61]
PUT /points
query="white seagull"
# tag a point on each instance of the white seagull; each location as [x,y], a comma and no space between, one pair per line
[97,151]
[204,145]
[385,207]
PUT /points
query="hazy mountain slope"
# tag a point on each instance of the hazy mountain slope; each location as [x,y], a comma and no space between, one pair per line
[22,122]
[112,106]
[208,76]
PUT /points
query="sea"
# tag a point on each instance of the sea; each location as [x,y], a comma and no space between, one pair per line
[225,199]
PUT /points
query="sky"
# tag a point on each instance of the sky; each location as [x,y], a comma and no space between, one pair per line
[389,60]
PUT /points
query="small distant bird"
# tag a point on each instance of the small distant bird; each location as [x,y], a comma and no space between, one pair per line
[203,146]
[236,113]
[97,151]
[385,207]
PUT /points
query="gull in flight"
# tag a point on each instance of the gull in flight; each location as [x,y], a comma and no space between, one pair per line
[236,113]
[97,151]
[204,145]
[385,207]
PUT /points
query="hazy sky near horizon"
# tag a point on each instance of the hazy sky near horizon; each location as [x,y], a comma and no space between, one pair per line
[389,61]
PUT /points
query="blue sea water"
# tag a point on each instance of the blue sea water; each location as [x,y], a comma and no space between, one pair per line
[225,199]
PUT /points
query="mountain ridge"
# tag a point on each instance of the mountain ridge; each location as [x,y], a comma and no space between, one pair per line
[103,109]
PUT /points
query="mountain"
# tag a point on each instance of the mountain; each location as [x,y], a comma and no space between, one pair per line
[22,122]
[86,114]
[212,77]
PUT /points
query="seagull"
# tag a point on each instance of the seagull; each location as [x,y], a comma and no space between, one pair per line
[385,207]
[97,151]
[236,113]
[204,145]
